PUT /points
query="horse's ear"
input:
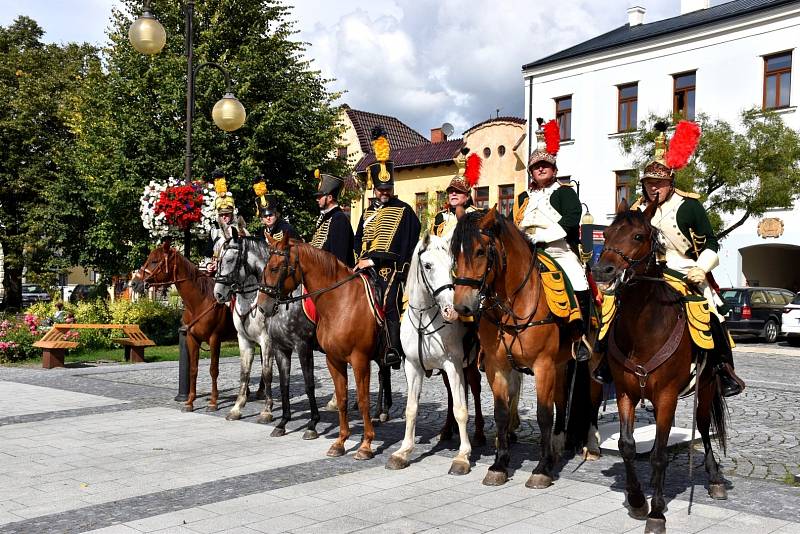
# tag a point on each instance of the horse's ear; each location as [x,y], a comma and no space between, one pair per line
[490,219]
[271,240]
[651,209]
[166,244]
[622,206]
[460,211]
[235,234]
[285,239]
[241,225]
[426,240]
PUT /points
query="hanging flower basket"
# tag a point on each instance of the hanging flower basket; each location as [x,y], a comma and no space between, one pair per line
[174,206]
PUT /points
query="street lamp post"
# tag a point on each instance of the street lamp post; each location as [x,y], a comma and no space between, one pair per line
[147,36]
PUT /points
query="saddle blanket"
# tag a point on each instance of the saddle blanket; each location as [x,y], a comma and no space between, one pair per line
[310,310]
[557,288]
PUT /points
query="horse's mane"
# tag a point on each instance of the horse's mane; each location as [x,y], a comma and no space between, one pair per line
[329,263]
[204,282]
[467,232]
[632,217]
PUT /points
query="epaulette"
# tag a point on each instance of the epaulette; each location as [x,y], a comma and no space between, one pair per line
[684,194]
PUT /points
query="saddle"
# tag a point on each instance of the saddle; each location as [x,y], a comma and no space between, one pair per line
[557,288]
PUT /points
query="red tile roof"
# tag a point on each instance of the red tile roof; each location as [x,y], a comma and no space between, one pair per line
[400,135]
[517,120]
[417,156]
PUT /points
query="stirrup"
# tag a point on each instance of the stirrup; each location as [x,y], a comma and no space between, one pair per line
[392,358]
[581,351]
[602,373]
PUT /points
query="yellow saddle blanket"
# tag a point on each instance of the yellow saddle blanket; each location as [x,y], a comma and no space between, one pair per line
[557,288]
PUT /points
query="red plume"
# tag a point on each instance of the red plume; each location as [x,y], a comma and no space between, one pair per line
[552,137]
[682,145]
[472,172]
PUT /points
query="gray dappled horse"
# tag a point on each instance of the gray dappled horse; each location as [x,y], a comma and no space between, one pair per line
[238,271]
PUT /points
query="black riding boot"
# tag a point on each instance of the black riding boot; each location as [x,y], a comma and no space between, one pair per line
[602,373]
[722,360]
[584,301]
[394,349]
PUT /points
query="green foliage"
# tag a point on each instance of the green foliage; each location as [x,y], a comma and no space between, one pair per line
[158,321]
[17,339]
[742,171]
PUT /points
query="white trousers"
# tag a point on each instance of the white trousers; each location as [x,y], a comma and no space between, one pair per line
[568,261]
[682,265]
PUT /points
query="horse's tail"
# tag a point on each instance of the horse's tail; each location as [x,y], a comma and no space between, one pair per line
[579,403]
[719,416]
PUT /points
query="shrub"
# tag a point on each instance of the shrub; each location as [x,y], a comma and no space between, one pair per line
[160,322]
[17,339]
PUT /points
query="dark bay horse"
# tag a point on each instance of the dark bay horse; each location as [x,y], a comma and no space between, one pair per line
[346,328]
[205,318]
[495,270]
[651,354]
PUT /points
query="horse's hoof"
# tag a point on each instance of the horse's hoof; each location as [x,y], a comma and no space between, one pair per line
[591,455]
[260,395]
[211,408]
[278,432]
[459,467]
[336,450]
[264,418]
[479,440]
[495,478]
[364,454]
[539,481]
[717,492]
[310,434]
[512,437]
[187,408]
[396,463]
[655,526]
[640,512]
[331,406]
[233,416]
[383,417]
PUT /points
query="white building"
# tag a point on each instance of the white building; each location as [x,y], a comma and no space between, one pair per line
[717,60]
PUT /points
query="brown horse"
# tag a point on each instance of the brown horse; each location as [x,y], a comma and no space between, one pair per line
[346,328]
[496,272]
[651,353]
[205,318]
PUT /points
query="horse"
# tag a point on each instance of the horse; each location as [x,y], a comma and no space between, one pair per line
[496,272]
[346,328]
[205,319]
[650,352]
[432,338]
[240,265]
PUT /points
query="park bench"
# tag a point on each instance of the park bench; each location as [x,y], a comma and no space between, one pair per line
[54,346]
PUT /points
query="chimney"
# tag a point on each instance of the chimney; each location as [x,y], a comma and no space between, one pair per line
[688,6]
[437,135]
[636,15]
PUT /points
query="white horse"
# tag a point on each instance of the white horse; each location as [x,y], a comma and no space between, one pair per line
[432,338]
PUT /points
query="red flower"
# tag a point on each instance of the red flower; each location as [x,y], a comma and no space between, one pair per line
[180,205]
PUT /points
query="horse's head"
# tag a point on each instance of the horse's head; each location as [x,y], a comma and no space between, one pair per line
[136,283]
[474,253]
[159,267]
[432,272]
[280,276]
[230,267]
[631,244]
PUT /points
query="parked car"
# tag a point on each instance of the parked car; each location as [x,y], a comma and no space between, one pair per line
[32,293]
[756,311]
[84,292]
[791,322]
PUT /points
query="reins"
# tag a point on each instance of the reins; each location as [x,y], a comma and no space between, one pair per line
[422,330]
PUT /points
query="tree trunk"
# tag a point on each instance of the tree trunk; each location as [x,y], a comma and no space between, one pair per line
[734,226]
[13,286]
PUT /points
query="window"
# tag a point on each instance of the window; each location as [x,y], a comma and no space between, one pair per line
[628,102]
[341,152]
[564,116]
[487,152]
[501,151]
[506,196]
[683,95]
[482,198]
[441,200]
[421,206]
[777,80]
[624,184]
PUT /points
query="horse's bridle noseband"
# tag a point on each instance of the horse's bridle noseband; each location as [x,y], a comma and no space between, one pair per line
[628,273]
[147,274]
[491,260]
[428,286]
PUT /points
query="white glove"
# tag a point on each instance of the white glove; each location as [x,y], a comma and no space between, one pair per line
[696,275]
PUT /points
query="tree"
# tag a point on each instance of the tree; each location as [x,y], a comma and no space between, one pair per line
[131,120]
[37,81]
[738,172]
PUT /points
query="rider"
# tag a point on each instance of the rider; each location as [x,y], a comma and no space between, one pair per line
[549,213]
[270,213]
[691,246]
[458,194]
[387,234]
[225,209]
[333,232]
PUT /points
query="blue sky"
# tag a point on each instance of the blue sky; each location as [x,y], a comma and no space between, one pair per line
[424,62]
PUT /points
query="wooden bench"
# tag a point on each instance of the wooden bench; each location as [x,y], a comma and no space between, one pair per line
[54,346]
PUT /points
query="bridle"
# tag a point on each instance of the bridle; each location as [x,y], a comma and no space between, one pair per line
[492,258]
[163,265]
[629,272]
[421,273]
[231,279]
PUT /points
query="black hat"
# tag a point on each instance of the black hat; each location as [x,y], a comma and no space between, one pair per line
[268,206]
[381,173]
[328,184]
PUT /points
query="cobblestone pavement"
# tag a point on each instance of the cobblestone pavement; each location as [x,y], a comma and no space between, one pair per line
[106,448]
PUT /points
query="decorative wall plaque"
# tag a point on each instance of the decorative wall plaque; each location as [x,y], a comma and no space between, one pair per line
[770,227]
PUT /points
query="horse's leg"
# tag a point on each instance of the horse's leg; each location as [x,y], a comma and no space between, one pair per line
[473,377]
[460,465]
[716,484]
[447,430]
[284,373]
[267,357]
[384,393]
[414,375]
[214,343]
[193,349]
[306,356]
[261,393]
[591,451]
[545,374]
[514,391]
[560,396]
[637,504]
[664,405]
[338,370]
[361,370]
[245,365]
[498,380]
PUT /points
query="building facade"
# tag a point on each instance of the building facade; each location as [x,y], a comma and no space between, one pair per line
[718,60]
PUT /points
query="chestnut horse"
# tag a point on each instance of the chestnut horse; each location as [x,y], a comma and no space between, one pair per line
[651,354]
[346,328]
[205,318]
[496,272]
